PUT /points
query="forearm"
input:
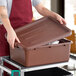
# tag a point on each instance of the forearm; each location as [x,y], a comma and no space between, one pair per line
[11,35]
[4,18]
[45,12]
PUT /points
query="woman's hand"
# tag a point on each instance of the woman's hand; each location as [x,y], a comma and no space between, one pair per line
[60,19]
[45,12]
[12,37]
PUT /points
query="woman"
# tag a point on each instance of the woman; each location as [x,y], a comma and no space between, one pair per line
[15,14]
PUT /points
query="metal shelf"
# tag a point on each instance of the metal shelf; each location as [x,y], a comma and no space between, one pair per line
[28,69]
[73,56]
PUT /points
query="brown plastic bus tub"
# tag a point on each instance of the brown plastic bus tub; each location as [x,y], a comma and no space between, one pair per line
[34,49]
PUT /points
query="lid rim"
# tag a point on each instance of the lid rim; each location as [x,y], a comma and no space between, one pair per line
[66,34]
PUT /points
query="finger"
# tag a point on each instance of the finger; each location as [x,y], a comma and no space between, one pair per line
[9,41]
[18,40]
[64,22]
[60,21]
[12,42]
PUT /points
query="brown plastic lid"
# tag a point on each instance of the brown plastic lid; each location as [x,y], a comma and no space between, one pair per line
[41,32]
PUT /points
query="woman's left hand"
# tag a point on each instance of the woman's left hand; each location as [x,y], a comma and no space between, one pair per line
[60,19]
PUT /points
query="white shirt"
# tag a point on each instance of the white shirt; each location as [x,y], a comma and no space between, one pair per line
[8,4]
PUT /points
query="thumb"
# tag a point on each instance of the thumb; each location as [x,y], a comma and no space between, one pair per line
[18,40]
[60,20]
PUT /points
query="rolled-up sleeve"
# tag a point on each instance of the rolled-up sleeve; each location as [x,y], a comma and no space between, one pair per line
[3,3]
[36,2]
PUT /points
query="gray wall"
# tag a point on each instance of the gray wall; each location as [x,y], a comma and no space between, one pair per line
[54,5]
[58,6]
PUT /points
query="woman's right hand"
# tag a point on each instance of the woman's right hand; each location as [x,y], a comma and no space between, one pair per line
[11,35]
[11,38]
